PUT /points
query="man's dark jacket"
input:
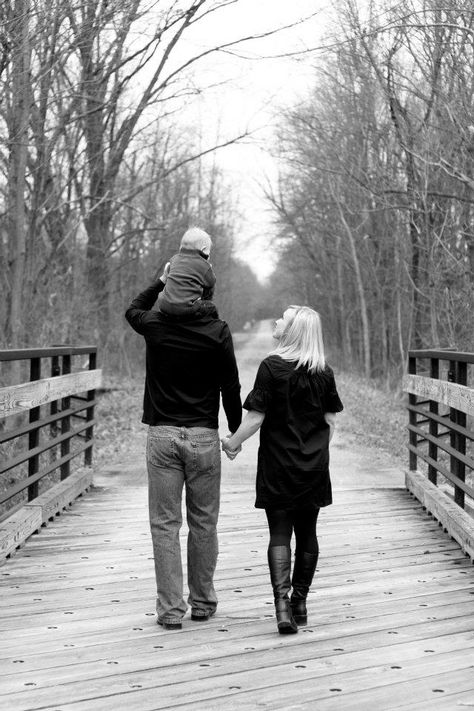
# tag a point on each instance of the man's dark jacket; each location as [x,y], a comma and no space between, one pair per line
[189,362]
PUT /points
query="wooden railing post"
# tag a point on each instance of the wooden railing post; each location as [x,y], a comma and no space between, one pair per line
[90,411]
[458,374]
[433,426]
[55,370]
[54,415]
[33,436]
[412,416]
[65,422]
[450,459]
[53,408]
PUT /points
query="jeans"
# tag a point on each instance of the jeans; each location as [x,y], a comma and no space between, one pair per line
[188,456]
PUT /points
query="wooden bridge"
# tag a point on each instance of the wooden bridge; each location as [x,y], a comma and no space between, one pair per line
[391,614]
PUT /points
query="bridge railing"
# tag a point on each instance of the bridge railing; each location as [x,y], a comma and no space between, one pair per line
[440,387]
[441,399]
[46,421]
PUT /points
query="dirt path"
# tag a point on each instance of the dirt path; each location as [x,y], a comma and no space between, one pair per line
[354,464]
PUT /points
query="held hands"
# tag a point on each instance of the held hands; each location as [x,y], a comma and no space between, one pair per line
[231,453]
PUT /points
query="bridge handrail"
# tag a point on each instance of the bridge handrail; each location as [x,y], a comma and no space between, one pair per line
[69,395]
[28,353]
[440,391]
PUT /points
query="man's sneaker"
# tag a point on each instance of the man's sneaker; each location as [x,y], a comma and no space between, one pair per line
[170,625]
[201,615]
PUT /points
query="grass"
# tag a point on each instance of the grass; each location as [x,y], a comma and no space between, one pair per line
[378,416]
[118,416]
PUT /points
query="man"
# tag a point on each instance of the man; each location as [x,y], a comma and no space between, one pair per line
[190,361]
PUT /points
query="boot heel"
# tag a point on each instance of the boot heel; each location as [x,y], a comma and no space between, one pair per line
[300,614]
[285,621]
[301,620]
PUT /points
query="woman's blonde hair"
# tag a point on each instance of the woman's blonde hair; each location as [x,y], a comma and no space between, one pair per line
[302,340]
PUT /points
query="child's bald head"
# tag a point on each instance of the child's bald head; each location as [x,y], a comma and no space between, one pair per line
[195,238]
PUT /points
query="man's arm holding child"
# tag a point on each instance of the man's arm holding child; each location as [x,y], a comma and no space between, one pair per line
[137,312]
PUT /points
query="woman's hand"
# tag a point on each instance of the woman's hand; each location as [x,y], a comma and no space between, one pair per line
[232,444]
[231,453]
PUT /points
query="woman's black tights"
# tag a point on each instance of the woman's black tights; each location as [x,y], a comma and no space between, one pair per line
[282,523]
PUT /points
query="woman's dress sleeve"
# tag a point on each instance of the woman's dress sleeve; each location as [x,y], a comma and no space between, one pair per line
[332,401]
[259,398]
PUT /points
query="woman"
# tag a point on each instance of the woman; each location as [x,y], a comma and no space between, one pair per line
[294,401]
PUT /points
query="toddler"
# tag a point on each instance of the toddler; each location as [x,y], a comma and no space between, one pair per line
[190,277]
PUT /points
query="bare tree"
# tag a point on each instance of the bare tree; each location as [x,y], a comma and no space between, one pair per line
[377,178]
[87,87]
[17,121]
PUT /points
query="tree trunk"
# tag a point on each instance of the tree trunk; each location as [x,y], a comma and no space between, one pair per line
[414,230]
[361,294]
[18,152]
[342,313]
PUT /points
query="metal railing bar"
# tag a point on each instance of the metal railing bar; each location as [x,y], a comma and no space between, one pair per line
[26,456]
[447,474]
[444,447]
[443,420]
[423,421]
[27,353]
[22,485]
[444,434]
[444,354]
[12,434]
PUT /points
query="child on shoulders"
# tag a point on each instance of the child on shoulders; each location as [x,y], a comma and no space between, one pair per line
[190,278]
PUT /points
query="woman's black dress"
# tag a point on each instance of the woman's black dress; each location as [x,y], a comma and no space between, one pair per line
[293,457]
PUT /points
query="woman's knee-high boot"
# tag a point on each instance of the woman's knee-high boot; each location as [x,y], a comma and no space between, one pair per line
[279,562]
[303,573]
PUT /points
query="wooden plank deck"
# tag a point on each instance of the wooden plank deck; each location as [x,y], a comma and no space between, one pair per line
[391,612]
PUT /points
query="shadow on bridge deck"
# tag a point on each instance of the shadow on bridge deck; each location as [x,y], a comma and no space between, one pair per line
[391,623]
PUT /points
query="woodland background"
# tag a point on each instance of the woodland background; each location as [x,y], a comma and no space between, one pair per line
[99,177]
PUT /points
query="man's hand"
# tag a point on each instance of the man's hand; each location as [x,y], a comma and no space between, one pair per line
[231,453]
